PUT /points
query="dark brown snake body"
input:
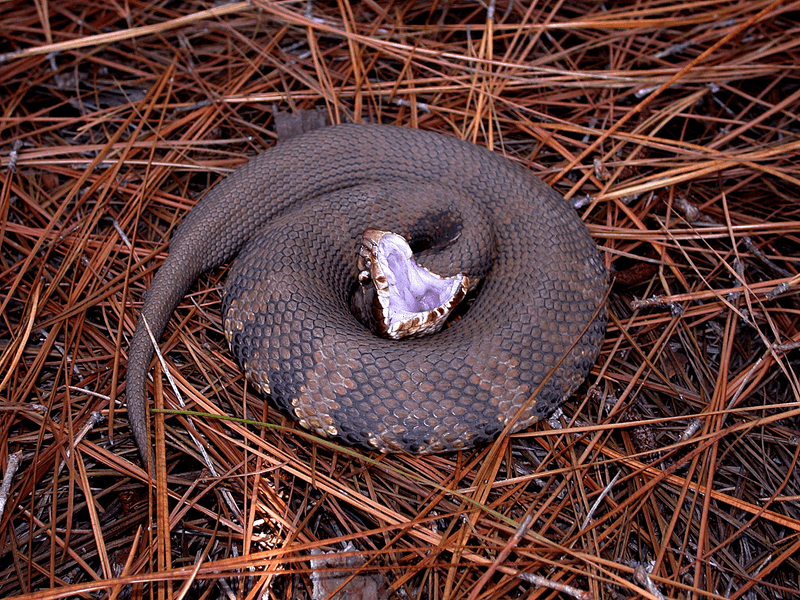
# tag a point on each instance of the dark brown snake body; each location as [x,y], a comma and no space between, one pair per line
[293,215]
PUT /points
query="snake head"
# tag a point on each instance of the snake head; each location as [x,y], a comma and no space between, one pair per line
[409,300]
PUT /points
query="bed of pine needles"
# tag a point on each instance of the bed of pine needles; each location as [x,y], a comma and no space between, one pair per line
[673,127]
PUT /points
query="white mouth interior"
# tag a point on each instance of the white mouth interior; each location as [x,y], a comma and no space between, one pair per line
[412,291]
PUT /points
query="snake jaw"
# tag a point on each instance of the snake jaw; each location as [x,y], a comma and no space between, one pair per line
[410,300]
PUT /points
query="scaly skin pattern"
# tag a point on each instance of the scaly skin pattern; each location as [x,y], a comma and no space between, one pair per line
[292,217]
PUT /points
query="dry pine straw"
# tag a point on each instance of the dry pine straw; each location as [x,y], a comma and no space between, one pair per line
[674,126]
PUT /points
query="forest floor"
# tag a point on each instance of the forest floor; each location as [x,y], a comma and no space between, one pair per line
[673,128]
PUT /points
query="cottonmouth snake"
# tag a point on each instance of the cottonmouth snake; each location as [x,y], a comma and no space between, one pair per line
[292,215]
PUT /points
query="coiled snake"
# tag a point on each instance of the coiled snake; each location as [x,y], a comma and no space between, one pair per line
[292,217]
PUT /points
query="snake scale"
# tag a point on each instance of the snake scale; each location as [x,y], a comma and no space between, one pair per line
[291,217]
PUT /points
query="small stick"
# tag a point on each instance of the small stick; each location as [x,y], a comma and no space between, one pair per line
[11,469]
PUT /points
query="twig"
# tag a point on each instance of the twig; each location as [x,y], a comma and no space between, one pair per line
[12,464]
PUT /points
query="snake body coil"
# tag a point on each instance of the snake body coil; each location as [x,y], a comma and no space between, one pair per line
[293,215]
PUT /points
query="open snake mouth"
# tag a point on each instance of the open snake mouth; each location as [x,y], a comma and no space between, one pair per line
[409,300]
